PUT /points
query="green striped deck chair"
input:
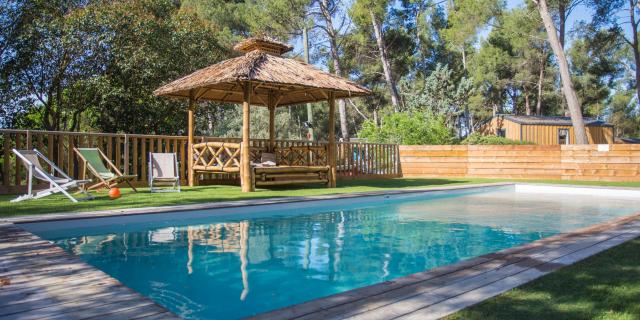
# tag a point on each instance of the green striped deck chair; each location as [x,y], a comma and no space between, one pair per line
[108,176]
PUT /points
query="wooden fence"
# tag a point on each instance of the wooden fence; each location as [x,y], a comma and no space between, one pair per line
[130,151]
[618,162]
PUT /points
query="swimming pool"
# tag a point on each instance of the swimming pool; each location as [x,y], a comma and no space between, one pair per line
[237,262]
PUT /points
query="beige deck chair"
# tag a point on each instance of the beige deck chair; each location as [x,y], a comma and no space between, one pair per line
[164,171]
[57,183]
[94,160]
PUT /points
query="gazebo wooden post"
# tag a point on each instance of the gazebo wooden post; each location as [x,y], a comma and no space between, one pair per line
[332,141]
[245,150]
[272,123]
[191,111]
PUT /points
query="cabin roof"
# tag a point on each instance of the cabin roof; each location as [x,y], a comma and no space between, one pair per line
[631,140]
[553,121]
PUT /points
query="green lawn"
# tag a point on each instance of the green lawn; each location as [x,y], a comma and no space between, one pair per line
[59,203]
[605,286]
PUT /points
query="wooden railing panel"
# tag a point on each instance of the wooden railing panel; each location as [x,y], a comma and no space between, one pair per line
[130,153]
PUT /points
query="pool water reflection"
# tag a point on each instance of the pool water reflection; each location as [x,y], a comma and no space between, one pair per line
[232,268]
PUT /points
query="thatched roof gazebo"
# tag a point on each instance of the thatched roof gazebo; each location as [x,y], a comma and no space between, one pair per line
[261,77]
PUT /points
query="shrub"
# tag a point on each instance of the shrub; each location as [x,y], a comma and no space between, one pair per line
[408,128]
[477,138]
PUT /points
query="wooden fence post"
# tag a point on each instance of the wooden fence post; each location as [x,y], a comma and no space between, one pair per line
[7,160]
[126,154]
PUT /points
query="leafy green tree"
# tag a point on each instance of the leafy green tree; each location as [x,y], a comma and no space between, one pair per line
[595,65]
[441,95]
[46,54]
[408,128]
[234,20]
[623,18]
[374,13]
[466,18]
[510,67]
[95,66]
[623,113]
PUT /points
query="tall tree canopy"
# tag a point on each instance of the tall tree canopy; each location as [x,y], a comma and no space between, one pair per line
[435,67]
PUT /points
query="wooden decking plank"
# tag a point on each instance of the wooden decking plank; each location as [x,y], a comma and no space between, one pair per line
[131,312]
[31,287]
[42,266]
[63,293]
[60,299]
[53,279]
[158,316]
[22,295]
[80,309]
[44,281]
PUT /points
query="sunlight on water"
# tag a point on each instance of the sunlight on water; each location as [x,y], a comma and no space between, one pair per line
[236,267]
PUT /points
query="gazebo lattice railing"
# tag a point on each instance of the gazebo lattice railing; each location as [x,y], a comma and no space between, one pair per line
[261,77]
[297,164]
[216,157]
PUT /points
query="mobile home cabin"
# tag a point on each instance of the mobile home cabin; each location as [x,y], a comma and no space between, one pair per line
[546,130]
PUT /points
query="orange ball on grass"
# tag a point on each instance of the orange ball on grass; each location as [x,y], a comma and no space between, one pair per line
[114,193]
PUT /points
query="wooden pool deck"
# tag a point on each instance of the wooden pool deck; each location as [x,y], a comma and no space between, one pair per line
[39,280]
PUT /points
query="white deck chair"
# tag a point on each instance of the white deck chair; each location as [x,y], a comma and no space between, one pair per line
[57,183]
[163,170]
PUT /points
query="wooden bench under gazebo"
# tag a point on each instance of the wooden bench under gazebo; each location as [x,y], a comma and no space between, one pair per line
[262,77]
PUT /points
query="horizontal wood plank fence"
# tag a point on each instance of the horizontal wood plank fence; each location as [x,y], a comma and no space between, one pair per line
[617,162]
[129,152]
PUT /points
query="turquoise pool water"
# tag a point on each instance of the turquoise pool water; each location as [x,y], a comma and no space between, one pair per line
[229,264]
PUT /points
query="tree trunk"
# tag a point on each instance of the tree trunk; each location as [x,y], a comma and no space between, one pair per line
[562,21]
[543,62]
[305,44]
[333,42]
[634,44]
[464,59]
[386,66]
[567,84]
[467,119]
[527,104]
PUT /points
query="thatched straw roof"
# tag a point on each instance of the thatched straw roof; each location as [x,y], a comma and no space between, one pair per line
[287,80]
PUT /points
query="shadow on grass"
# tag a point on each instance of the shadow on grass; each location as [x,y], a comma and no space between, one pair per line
[605,286]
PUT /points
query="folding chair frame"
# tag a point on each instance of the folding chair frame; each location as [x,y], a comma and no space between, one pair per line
[54,187]
[104,183]
[175,186]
